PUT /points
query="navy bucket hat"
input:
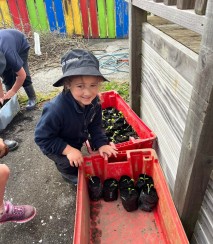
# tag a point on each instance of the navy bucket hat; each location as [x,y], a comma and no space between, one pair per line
[2,63]
[79,62]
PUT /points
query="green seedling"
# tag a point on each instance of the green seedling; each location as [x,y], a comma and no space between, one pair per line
[149,187]
[113,184]
[90,178]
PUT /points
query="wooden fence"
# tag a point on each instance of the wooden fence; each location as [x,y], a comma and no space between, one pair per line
[86,18]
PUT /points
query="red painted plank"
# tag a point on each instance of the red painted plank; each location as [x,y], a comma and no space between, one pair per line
[85,18]
[24,15]
[15,14]
[93,18]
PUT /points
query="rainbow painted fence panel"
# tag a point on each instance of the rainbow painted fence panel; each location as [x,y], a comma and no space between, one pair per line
[84,18]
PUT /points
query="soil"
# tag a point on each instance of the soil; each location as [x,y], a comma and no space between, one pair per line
[34,178]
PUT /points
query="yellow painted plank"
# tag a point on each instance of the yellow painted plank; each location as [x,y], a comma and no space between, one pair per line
[1,19]
[77,17]
[6,14]
[68,15]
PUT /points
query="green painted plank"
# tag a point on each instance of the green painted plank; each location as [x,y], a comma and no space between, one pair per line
[42,15]
[32,15]
[110,18]
[102,18]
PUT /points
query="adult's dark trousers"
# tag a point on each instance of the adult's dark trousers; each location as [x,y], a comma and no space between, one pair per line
[63,164]
[9,76]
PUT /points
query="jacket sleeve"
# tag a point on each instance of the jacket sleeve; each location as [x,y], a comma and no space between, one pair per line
[96,131]
[47,132]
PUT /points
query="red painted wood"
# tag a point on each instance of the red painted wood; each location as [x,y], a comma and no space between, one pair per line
[93,18]
[24,15]
[15,14]
[85,18]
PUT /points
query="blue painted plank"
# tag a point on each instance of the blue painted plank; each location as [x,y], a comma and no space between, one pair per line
[126,19]
[119,18]
[60,16]
[51,15]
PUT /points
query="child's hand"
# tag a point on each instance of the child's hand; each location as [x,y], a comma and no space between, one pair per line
[3,149]
[107,151]
[75,157]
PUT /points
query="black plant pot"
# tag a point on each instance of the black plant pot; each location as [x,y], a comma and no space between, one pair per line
[148,199]
[110,190]
[142,182]
[95,188]
[125,182]
[129,198]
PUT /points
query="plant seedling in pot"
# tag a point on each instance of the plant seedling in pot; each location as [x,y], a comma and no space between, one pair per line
[142,181]
[94,188]
[126,182]
[110,190]
[129,198]
[148,198]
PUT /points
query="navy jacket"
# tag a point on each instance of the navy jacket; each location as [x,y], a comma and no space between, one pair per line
[64,121]
[12,44]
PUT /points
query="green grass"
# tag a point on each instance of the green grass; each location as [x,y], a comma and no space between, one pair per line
[121,87]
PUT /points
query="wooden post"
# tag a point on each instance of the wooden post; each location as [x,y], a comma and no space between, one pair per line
[196,157]
[136,16]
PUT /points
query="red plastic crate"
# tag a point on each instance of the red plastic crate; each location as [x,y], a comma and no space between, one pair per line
[146,136]
[108,222]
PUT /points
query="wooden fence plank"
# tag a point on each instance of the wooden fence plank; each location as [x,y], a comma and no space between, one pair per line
[8,23]
[196,159]
[68,15]
[85,18]
[1,19]
[60,16]
[170,2]
[102,18]
[34,21]
[121,18]
[51,15]
[93,18]
[42,15]
[126,19]
[137,17]
[185,4]
[185,18]
[77,17]
[15,14]
[110,10]
[200,7]
[24,15]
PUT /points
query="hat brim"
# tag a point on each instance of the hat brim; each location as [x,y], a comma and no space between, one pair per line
[2,63]
[79,71]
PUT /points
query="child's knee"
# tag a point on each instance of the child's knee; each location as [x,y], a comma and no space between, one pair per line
[4,171]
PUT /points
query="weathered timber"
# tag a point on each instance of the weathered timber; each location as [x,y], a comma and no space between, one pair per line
[177,55]
[185,4]
[185,18]
[137,17]
[200,7]
[196,158]
[165,99]
[170,2]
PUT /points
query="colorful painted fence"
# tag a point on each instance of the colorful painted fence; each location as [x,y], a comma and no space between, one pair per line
[85,18]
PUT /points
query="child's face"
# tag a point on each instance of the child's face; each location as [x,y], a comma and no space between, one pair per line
[84,88]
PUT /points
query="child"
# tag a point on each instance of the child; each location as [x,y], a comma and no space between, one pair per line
[75,113]
[8,211]
[14,70]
